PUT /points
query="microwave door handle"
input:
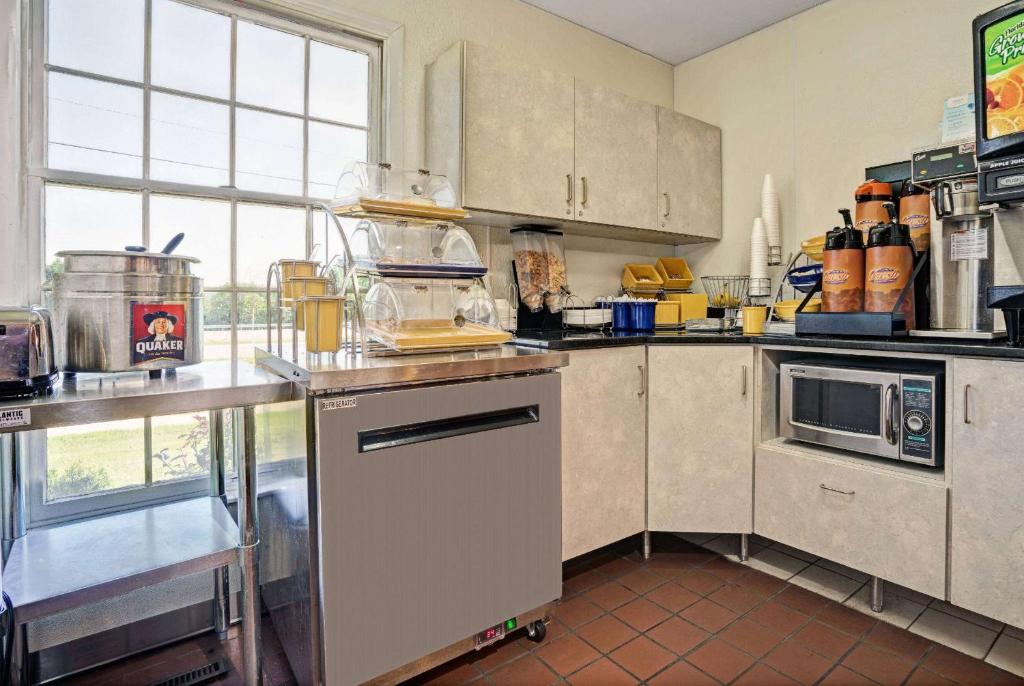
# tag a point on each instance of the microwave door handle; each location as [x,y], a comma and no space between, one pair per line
[889,409]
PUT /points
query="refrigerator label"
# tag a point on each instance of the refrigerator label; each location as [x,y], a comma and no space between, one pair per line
[969,244]
[12,418]
[339,404]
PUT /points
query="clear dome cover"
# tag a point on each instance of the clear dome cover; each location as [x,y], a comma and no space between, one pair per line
[380,182]
[432,313]
[406,248]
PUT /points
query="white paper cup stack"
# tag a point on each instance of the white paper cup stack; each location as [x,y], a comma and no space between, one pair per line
[770,216]
[760,284]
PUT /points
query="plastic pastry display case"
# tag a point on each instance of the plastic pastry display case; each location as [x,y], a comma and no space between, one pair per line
[370,189]
[399,247]
[411,315]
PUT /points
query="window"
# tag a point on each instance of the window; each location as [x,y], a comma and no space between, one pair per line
[151,117]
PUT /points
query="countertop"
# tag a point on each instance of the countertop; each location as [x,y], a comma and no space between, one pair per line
[86,398]
[581,340]
[345,373]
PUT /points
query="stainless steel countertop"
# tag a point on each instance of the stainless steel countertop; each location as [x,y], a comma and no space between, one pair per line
[337,373]
[90,398]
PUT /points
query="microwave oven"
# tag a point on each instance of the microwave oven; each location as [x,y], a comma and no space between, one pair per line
[893,411]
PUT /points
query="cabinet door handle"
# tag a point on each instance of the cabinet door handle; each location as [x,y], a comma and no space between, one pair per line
[967,404]
[668,206]
[836,490]
[583,201]
[743,380]
[568,189]
[643,380]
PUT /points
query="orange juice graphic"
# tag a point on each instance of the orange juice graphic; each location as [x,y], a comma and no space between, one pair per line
[1004,78]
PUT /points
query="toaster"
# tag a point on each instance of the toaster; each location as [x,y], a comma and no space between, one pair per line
[26,352]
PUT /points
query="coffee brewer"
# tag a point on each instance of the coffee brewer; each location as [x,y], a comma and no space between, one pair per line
[962,245]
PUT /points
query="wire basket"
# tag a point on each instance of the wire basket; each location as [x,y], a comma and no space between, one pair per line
[727,292]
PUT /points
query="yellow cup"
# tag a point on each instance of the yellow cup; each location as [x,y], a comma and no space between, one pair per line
[753,320]
[322,316]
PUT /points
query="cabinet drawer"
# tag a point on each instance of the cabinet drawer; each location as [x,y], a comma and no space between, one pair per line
[884,524]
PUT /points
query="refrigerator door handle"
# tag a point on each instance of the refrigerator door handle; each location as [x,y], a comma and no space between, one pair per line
[448,427]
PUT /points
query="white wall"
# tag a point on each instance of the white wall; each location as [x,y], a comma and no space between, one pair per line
[816,99]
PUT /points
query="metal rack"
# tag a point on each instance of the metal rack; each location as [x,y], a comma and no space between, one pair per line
[64,566]
[349,280]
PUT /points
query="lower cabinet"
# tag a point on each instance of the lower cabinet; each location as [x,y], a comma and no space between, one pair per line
[987,463]
[700,432]
[881,523]
[603,447]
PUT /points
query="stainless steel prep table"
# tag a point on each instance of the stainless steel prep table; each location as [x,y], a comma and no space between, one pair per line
[55,568]
[415,462]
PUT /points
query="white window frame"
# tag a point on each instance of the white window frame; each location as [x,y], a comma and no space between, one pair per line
[313,20]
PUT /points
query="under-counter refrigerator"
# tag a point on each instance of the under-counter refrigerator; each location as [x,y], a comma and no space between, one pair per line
[433,523]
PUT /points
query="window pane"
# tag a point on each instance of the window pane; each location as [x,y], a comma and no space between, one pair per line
[217,326]
[331,148]
[191,49]
[94,126]
[207,228]
[270,68]
[338,84]
[89,219]
[189,140]
[90,458]
[252,326]
[280,432]
[101,36]
[269,152]
[181,446]
[267,233]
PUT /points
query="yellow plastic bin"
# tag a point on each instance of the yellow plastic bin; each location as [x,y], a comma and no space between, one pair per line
[674,272]
[691,305]
[666,313]
[641,277]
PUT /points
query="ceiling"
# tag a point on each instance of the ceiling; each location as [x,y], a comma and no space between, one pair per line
[675,30]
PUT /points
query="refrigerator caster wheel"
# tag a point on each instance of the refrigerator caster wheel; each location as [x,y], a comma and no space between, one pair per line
[536,631]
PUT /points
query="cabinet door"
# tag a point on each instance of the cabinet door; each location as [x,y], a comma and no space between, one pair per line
[603,448]
[700,461]
[518,136]
[616,158]
[987,480]
[689,175]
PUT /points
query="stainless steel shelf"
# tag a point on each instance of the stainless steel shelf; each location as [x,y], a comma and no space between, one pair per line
[106,397]
[341,372]
[65,566]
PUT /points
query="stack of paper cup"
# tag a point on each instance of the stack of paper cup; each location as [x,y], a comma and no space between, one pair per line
[770,215]
[760,283]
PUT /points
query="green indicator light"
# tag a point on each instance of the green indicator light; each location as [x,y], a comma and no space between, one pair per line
[510,624]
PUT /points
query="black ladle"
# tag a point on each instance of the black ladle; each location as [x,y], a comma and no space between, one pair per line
[168,249]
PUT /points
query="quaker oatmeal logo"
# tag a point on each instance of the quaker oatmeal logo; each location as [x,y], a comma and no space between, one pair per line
[880,275]
[158,332]
[836,277]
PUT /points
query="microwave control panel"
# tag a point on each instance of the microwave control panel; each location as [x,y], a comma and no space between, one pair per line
[918,439]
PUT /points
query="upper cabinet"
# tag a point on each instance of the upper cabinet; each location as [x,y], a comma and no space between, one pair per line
[517,140]
[502,132]
[689,175]
[616,158]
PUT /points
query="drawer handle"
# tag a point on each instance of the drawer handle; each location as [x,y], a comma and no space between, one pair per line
[836,490]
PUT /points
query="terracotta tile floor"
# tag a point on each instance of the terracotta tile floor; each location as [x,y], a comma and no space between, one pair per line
[162,663]
[689,616]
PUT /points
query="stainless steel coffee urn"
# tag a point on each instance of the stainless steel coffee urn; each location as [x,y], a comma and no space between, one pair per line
[962,263]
